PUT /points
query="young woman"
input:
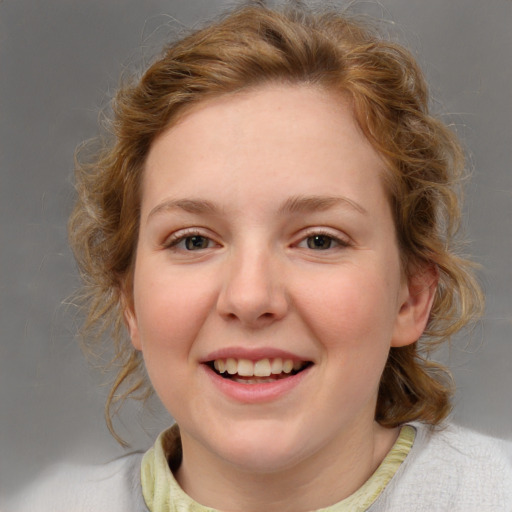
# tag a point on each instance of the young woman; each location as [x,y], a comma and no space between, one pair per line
[272,226]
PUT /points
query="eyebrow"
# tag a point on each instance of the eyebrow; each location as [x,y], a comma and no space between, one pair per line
[295,204]
[307,204]
[196,206]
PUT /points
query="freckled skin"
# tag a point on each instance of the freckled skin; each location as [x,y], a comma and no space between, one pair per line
[260,280]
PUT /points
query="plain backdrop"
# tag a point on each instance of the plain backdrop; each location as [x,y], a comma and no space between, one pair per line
[59,64]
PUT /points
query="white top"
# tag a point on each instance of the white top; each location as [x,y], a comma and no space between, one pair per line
[453,469]
[163,493]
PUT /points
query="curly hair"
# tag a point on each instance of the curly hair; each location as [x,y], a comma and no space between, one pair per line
[251,46]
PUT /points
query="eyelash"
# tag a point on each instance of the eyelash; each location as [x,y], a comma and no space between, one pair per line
[181,236]
[339,241]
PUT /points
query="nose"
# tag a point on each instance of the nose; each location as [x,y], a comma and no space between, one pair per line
[253,291]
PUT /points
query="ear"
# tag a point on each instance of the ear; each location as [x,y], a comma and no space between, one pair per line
[130,320]
[417,297]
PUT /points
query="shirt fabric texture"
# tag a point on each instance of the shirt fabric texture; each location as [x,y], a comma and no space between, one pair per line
[162,492]
[447,469]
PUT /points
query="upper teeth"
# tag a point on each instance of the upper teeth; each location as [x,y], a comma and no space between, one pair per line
[260,368]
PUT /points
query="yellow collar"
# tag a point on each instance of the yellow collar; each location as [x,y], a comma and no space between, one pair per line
[162,492]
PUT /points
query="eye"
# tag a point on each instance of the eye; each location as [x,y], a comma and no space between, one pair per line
[195,242]
[190,242]
[319,242]
[322,242]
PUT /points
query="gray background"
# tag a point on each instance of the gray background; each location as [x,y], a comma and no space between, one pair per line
[59,63]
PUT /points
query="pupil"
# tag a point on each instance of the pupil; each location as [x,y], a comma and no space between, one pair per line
[319,242]
[196,242]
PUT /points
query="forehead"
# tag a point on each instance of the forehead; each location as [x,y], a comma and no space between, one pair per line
[272,134]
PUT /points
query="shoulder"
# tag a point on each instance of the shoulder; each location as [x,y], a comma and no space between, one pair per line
[471,454]
[466,447]
[112,487]
[453,468]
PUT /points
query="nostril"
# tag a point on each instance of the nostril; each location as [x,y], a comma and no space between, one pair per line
[251,319]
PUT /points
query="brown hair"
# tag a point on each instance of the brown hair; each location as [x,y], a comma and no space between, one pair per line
[250,46]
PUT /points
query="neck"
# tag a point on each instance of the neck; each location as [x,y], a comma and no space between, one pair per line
[322,479]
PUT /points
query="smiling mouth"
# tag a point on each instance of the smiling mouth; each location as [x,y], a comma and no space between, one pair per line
[261,371]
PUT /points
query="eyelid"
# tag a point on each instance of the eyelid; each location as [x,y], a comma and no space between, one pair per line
[177,236]
[340,238]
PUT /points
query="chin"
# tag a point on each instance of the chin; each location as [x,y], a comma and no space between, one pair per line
[261,450]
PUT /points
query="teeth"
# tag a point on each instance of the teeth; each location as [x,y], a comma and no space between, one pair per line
[245,368]
[260,368]
[277,366]
[287,365]
[220,365]
[231,366]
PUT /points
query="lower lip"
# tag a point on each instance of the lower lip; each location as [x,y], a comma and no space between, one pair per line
[256,393]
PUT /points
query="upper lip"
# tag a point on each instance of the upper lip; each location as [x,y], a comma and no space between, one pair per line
[252,354]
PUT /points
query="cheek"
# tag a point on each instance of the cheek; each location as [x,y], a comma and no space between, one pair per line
[170,309]
[354,309]
[351,318]
[170,312]
[352,324]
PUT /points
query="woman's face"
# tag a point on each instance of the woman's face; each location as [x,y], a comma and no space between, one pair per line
[267,251]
